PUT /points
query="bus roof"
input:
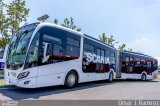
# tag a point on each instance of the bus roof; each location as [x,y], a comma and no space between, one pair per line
[139,54]
[99,41]
[76,32]
[61,27]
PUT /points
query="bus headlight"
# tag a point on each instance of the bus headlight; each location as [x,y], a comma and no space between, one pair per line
[23,75]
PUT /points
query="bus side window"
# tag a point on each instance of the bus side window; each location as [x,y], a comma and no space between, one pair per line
[132,61]
[32,57]
[137,63]
[57,50]
[113,58]
[149,64]
[73,48]
[98,64]
[154,65]
[127,61]
[89,48]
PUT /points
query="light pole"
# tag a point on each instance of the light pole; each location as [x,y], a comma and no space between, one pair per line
[43,18]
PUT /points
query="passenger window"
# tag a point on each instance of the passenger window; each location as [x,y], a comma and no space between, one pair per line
[72,51]
[73,48]
[32,58]
[127,61]
[149,64]
[98,52]
[112,58]
[57,50]
[132,61]
[137,63]
[89,48]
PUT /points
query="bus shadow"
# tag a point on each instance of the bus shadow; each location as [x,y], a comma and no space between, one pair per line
[16,93]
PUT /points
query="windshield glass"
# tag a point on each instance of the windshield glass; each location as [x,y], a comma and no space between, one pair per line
[18,46]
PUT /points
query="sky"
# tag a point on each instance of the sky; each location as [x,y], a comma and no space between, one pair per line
[133,22]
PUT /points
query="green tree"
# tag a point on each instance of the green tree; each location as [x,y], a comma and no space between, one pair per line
[4,38]
[130,49]
[109,40]
[69,23]
[103,38]
[159,67]
[55,21]
[122,47]
[17,14]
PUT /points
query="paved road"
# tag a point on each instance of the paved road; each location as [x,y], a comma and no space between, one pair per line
[101,90]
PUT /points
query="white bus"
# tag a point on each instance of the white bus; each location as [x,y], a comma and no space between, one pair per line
[43,54]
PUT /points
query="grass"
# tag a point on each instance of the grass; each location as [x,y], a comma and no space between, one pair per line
[158,77]
[2,83]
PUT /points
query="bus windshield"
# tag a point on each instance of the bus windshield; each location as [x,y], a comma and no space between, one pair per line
[18,46]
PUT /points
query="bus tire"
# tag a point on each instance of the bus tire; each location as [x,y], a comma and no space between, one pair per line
[71,79]
[143,77]
[110,79]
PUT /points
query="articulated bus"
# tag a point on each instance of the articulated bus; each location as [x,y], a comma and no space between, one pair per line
[44,54]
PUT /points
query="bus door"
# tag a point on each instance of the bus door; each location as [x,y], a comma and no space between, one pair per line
[127,64]
[100,65]
[131,65]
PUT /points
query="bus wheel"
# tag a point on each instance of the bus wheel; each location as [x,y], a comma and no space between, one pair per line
[143,77]
[110,79]
[71,79]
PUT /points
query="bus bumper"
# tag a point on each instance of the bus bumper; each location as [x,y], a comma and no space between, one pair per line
[27,83]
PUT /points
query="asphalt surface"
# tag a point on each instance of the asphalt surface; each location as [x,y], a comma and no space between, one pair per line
[100,90]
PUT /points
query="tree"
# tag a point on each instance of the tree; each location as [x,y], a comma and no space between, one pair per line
[55,21]
[103,38]
[122,47]
[109,40]
[69,23]
[17,14]
[159,67]
[3,27]
[130,49]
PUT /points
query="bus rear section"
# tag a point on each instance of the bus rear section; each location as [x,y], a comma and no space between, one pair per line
[134,65]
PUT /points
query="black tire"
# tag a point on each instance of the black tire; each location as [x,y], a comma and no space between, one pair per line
[143,77]
[71,79]
[110,79]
